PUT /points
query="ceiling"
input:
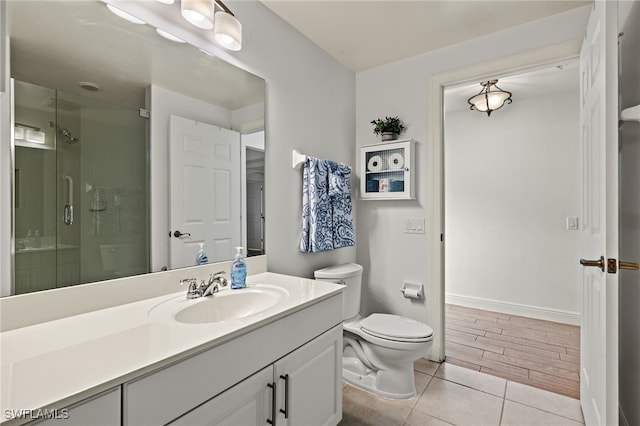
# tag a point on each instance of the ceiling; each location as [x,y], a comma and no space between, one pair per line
[363,34]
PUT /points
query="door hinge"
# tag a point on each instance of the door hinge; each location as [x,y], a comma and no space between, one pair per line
[144,113]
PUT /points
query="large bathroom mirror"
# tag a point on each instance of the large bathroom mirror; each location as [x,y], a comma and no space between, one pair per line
[86,88]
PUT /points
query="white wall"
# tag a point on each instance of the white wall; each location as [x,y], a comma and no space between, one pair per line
[400,88]
[511,180]
[629,220]
[310,106]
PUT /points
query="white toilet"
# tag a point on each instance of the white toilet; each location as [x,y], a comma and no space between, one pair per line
[379,350]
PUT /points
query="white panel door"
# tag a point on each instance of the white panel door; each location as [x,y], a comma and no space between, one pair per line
[599,231]
[205,191]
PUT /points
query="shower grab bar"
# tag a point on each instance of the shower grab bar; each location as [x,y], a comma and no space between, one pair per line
[68,208]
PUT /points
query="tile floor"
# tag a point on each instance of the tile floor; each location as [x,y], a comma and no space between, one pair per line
[451,395]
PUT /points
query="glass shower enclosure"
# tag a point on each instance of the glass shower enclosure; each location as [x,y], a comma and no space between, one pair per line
[80,190]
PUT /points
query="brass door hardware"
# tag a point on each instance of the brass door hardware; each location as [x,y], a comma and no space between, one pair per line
[597,263]
[612,264]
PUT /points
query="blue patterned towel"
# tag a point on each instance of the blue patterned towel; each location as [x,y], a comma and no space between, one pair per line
[326,206]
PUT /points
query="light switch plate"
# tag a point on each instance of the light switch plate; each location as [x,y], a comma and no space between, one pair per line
[572,223]
[414,226]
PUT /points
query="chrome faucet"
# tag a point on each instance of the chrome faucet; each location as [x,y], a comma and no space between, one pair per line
[196,291]
[214,280]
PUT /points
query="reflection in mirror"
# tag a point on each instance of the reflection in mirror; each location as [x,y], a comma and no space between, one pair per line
[82,196]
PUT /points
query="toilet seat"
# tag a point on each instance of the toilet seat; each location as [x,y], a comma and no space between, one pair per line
[396,328]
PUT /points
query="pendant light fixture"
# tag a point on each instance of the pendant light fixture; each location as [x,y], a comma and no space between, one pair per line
[198,12]
[490,98]
[228,30]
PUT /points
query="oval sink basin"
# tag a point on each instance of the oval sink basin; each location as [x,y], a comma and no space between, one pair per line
[223,306]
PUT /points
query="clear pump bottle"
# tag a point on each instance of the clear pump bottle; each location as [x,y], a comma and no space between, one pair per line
[238,271]
[201,257]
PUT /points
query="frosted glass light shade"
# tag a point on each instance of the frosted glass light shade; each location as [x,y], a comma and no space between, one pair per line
[488,101]
[198,12]
[228,31]
[167,1]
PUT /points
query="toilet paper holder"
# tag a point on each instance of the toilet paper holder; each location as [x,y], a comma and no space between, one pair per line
[412,290]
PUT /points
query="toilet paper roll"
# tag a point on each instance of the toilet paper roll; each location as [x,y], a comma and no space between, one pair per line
[396,161]
[411,293]
[375,164]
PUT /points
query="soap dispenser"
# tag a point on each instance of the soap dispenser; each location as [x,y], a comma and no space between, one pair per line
[238,271]
[37,241]
[201,257]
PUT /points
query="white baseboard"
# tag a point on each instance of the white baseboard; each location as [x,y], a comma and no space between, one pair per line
[510,308]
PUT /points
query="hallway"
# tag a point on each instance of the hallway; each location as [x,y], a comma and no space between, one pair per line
[533,352]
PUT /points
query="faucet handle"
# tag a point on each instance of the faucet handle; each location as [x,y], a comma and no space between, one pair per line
[193,291]
[219,278]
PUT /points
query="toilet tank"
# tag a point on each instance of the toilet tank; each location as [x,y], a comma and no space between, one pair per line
[350,275]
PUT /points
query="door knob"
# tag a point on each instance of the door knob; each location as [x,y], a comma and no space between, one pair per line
[179,234]
[628,265]
[597,263]
[613,265]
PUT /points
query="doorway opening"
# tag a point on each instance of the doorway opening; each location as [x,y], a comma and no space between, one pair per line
[503,69]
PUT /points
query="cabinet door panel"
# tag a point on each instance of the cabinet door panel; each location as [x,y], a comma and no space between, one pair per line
[246,404]
[314,373]
[103,410]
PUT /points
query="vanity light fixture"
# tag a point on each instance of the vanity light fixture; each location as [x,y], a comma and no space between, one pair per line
[228,30]
[489,100]
[198,12]
[124,15]
[167,1]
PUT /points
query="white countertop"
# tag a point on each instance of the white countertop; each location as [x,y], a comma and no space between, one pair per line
[56,363]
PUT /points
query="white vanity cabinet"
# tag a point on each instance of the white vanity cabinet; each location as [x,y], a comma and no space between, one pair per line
[303,388]
[237,377]
[388,170]
[101,410]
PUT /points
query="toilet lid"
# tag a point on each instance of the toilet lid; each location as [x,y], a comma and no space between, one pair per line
[395,327]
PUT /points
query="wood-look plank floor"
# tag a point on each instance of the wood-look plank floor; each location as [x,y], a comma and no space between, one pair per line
[538,353]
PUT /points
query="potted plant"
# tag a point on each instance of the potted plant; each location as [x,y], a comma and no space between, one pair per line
[389,128]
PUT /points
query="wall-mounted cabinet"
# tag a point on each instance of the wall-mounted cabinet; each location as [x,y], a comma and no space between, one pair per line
[388,171]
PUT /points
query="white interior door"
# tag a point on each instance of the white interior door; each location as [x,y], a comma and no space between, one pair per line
[204,191]
[599,231]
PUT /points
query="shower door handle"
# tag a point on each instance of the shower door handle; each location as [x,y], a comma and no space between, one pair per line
[68,214]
